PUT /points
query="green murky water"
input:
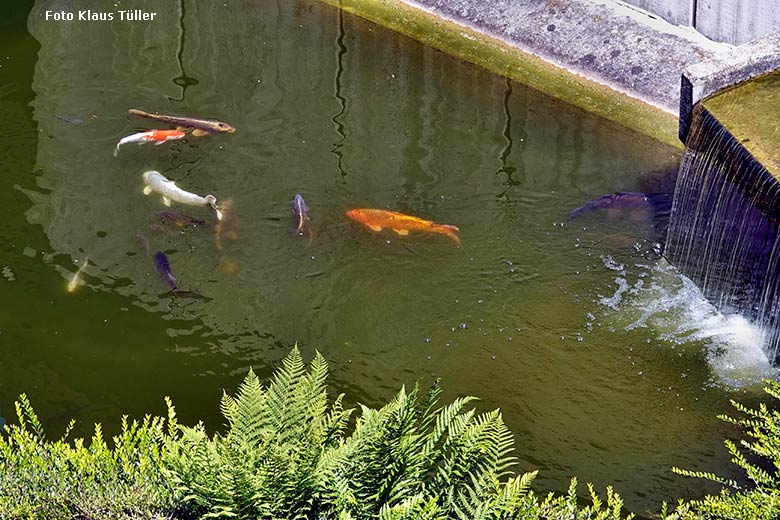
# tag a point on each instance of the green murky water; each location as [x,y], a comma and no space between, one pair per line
[557,323]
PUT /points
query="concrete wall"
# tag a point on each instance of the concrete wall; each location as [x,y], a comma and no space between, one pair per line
[737,21]
[730,21]
[677,12]
[739,64]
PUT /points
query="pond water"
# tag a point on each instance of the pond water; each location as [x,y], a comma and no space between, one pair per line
[606,363]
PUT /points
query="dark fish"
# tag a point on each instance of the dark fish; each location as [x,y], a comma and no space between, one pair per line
[142,243]
[632,206]
[70,120]
[179,220]
[620,200]
[201,126]
[301,212]
[163,267]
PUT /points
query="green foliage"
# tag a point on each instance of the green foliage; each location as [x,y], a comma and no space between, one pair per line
[567,507]
[265,465]
[762,499]
[60,479]
[287,453]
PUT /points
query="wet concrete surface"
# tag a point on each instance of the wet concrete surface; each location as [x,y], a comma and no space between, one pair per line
[623,48]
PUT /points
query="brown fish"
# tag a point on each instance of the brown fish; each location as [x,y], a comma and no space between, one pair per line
[200,126]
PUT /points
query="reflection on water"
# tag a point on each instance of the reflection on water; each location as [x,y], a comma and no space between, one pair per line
[348,116]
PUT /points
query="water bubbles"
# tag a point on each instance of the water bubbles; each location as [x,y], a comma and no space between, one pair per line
[610,263]
[463,325]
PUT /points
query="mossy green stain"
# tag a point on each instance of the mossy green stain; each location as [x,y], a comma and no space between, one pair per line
[750,111]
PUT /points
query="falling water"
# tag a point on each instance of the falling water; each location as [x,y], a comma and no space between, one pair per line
[723,230]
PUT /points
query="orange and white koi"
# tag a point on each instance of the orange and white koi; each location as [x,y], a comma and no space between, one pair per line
[379,219]
[152,136]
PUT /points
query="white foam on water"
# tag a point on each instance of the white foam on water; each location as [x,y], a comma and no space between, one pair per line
[673,306]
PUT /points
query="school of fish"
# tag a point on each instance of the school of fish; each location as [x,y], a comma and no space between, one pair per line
[374,219]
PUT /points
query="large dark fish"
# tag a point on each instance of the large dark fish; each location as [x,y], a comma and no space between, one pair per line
[163,267]
[632,206]
[201,126]
[621,200]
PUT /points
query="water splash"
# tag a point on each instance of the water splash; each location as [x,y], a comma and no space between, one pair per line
[672,306]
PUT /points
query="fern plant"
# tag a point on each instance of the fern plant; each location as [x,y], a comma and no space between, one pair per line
[286,455]
[265,465]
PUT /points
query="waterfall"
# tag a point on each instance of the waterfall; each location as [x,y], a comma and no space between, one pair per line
[723,229]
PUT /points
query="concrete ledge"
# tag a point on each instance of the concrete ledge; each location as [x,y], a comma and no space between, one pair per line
[476,42]
[725,70]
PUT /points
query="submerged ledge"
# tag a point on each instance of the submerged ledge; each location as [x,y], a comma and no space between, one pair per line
[651,114]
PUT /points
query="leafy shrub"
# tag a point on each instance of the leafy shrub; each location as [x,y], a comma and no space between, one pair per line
[59,479]
[567,508]
[762,500]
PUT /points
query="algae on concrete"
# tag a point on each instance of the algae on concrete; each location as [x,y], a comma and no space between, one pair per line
[750,111]
[504,59]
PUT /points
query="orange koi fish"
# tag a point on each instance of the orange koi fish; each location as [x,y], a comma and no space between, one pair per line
[378,219]
[152,136]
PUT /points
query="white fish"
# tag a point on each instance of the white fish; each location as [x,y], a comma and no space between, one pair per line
[75,281]
[152,136]
[157,182]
